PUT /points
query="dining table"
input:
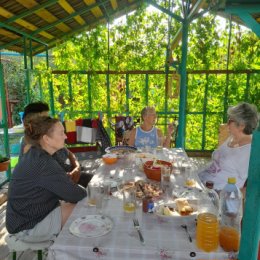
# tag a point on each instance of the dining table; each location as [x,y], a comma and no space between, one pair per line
[164,237]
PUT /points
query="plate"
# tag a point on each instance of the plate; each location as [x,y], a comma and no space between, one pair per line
[121,149]
[91,226]
[174,213]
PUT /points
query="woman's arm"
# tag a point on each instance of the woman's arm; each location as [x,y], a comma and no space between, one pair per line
[54,178]
[167,139]
[131,140]
[75,173]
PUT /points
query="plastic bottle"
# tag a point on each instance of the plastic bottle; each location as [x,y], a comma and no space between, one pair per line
[213,195]
[207,232]
[231,215]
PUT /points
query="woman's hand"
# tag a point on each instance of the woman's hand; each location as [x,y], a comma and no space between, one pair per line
[75,174]
[171,129]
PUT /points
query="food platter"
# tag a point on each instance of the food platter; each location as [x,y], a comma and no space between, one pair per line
[169,211]
[121,150]
[143,188]
[91,226]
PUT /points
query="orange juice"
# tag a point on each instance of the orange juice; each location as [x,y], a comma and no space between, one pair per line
[129,207]
[207,233]
[229,238]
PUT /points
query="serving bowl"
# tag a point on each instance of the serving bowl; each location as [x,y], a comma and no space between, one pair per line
[153,169]
[109,158]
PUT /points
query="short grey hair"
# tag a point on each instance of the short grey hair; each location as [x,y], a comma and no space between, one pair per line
[147,110]
[244,114]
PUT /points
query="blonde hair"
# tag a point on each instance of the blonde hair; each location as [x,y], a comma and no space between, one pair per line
[147,110]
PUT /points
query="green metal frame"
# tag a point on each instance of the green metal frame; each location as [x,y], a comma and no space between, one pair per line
[251,219]
[245,12]
[4,123]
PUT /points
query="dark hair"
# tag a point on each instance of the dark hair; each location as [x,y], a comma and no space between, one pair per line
[39,127]
[36,107]
[245,114]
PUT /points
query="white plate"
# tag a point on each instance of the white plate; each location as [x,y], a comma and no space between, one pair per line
[91,226]
[121,149]
[175,214]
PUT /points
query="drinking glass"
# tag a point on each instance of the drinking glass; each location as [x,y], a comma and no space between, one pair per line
[99,200]
[129,199]
[165,176]
[93,189]
[166,179]
[107,189]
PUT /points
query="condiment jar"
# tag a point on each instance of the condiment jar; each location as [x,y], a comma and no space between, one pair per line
[148,204]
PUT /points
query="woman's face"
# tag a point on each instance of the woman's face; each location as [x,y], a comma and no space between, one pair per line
[150,117]
[56,140]
[234,128]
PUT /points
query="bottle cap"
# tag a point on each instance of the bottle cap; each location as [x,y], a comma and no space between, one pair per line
[232,180]
[210,184]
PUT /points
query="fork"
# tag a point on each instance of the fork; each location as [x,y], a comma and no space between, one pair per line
[137,227]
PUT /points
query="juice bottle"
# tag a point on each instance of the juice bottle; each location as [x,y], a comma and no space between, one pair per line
[229,238]
[207,233]
[231,215]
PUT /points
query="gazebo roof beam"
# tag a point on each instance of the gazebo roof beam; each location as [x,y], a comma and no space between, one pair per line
[31,11]
[83,27]
[164,10]
[19,32]
[84,10]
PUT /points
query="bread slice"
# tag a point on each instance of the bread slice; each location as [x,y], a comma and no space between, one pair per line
[183,207]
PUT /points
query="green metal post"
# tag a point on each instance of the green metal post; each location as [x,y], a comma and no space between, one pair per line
[31,55]
[227,75]
[27,74]
[70,93]
[89,95]
[127,92]
[4,117]
[251,218]
[108,95]
[40,86]
[180,142]
[50,83]
[47,57]
[205,112]
[247,87]
[146,88]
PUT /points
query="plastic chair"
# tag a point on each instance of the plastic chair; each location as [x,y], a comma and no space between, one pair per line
[16,245]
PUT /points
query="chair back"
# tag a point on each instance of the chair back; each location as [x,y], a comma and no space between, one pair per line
[122,125]
[223,134]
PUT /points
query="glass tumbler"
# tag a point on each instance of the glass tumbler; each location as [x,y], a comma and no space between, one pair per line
[129,199]
[93,190]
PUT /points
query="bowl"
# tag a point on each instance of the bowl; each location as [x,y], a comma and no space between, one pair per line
[109,158]
[153,170]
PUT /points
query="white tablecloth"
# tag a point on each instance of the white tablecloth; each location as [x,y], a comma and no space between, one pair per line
[164,238]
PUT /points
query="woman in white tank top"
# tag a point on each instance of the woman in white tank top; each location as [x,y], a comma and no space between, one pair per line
[147,135]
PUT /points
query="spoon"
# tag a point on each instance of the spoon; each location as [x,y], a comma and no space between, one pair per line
[186,229]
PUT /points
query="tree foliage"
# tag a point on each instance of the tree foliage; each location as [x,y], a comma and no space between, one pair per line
[140,42]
